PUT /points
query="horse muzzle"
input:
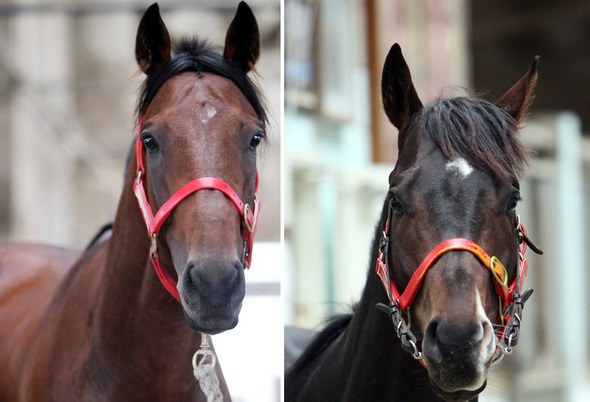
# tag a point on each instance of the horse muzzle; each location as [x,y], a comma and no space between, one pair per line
[211,292]
[458,356]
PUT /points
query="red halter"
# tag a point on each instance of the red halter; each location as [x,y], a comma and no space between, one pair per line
[493,264]
[510,297]
[154,222]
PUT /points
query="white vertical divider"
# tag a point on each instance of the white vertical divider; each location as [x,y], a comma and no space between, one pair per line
[571,259]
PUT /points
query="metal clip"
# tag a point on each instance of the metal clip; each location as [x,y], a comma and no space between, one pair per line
[204,351]
[245,252]
[154,249]
[508,348]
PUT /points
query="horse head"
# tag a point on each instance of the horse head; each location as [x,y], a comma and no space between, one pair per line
[201,120]
[456,178]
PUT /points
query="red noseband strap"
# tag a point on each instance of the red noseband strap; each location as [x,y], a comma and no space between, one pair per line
[405,299]
[154,222]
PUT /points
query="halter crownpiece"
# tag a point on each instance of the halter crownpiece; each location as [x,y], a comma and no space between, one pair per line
[510,299]
[153,222]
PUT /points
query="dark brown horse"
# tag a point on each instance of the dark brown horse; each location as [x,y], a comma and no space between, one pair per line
[447,230]
[99,325]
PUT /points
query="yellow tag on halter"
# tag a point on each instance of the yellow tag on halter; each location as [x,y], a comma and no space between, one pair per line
[498,271]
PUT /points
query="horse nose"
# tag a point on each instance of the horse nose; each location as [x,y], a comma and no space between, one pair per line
[448,341]
[214,277]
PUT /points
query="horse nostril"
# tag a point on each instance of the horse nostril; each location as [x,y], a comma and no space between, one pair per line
[238,268]
[195,275]
[487,346]
[431,345]
[214,275]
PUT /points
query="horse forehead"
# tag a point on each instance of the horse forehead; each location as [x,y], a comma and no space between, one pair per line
[203,97]
[450,189]
[460,167]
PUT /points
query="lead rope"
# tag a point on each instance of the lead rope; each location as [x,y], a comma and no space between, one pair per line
[205,372]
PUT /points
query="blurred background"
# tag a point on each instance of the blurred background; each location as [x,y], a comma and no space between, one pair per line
[340,148]
[68,88]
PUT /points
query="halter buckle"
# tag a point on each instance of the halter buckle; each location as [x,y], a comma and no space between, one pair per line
[154,249]
[245,252]
[139,174]
[246,223]
[494,262]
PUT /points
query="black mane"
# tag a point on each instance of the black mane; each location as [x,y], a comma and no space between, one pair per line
[478,131]
[192,54]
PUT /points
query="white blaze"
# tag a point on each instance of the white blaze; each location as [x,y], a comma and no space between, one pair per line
[207,112]
[460,166]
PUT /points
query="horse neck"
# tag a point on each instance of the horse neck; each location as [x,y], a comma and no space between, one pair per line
[379,369]
[136,316]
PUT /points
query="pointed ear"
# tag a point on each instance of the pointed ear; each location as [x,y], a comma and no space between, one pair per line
[242,41]
[400,99]
[518,98]
[152,44]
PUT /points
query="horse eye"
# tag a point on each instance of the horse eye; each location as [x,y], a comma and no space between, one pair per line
[150,143]
[396,206]
[255,141]
[512,202]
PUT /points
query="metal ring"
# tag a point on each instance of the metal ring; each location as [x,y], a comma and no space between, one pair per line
[508,348]
[498,355]
[493,262]
[205,353]
[246,223]
[416,354]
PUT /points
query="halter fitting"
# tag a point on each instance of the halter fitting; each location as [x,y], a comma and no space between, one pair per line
[510,300]
[249,215]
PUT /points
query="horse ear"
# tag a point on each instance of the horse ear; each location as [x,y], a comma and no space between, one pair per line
[152,44]
[400,99]
[242,41]
[518,98]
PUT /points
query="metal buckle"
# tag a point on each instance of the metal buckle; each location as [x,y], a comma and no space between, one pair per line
[246,223]
[154,249]
[139,173]
[494,261]
[245,251]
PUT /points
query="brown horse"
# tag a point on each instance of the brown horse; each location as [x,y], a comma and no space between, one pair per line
[99,325]
[447,263]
